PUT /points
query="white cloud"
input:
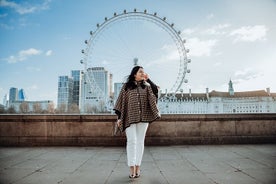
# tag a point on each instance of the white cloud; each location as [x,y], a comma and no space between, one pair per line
[202,40]
[17,7]
[171,52]
[25,9]
[23,55]
[246,74]
[200,48]
[29,52]
[250,33]
[217,29]
[49,53]
[188,31]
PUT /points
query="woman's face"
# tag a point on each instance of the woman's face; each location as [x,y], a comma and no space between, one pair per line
[140,75]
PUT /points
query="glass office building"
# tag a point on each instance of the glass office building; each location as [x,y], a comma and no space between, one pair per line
[21,95]
[65,91]
[76,76]
[13,95]
[95,89]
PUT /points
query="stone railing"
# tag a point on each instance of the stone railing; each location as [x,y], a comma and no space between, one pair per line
[97,130]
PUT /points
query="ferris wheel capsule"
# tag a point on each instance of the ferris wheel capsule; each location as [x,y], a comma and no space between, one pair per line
[187,50]
[86,42]
[186,80]
[91,32]
[188,71]
[145,11]
[125,11]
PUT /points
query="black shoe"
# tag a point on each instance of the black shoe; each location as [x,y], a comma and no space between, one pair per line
[137,175]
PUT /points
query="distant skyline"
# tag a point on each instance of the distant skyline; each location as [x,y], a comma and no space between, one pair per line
[41,40]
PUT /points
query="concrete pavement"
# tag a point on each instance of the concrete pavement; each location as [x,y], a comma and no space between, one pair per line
[202,164]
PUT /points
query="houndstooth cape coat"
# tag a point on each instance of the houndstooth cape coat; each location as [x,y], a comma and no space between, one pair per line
[137,105]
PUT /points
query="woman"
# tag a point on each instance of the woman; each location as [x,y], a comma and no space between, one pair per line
[136,107]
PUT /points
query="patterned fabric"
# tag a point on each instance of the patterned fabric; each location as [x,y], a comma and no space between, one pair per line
[136,105]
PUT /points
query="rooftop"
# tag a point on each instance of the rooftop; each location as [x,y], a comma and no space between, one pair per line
[213,93]
[201,164]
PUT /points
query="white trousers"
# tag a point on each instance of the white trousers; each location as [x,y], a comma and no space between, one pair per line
[135,143]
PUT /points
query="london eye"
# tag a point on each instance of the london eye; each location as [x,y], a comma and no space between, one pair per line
[136,38]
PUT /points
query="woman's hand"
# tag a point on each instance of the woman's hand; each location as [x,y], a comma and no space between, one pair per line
[118,122]
[146,76]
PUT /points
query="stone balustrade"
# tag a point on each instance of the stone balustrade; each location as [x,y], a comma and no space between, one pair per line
[97,130]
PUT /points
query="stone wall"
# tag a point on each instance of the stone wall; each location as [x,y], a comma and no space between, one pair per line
[97,130]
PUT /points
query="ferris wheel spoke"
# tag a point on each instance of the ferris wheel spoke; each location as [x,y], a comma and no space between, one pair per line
[112,49]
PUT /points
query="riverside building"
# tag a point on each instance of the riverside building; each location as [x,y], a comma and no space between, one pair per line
[217,102]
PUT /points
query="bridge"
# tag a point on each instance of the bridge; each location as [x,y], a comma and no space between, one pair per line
[207,149]
[97,130]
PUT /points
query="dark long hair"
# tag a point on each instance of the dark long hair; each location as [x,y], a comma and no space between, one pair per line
[130,83]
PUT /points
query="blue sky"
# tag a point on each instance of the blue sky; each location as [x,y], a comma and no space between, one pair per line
[42,39]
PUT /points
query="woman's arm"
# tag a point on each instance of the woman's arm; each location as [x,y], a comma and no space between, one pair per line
[154,87]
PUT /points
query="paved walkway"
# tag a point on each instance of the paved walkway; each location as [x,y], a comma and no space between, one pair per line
[221,164]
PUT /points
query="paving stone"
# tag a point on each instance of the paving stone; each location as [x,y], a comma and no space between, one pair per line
[206,164]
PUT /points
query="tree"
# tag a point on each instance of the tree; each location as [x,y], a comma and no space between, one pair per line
[74,108]
[37,108]
[2,109]
[51,108]
[24,107]
[61,109]
[102,107]
[11,110]
[89,108]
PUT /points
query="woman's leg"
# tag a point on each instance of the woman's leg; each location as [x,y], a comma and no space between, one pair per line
[141,130]
[131,147]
